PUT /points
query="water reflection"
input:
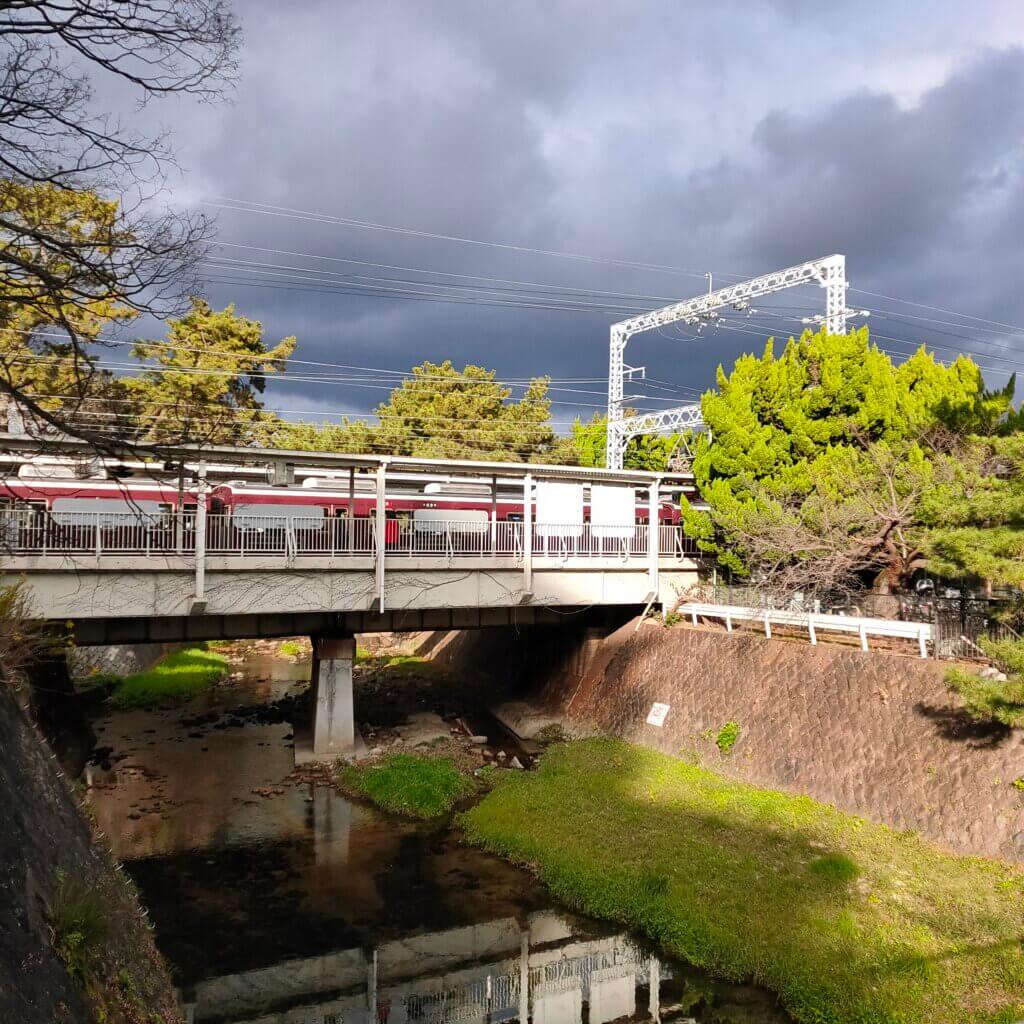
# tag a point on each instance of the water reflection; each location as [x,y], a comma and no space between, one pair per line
[283,903]
[549,971]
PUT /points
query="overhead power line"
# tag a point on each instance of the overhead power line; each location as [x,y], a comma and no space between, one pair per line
[270,210]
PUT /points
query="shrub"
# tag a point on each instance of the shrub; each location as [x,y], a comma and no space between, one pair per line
[1000,700]
[727,737]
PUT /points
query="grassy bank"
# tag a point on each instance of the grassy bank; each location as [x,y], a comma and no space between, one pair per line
[178,676]
[409,784]
[850,923]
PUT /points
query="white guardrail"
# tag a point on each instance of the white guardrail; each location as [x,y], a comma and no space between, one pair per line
[37,533]
[813,622]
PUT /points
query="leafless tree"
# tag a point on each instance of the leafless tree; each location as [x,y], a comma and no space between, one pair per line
[143,260]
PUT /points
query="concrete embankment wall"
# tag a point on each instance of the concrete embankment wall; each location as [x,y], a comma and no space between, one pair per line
[43,833]
[119,659]
[875,734]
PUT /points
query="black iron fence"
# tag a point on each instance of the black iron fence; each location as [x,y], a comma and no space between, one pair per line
[960,621]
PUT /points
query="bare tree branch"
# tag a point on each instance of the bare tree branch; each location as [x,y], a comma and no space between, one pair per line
[67,267]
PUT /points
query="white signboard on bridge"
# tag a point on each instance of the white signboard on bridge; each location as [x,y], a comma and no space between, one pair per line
[612,511]
[559,509]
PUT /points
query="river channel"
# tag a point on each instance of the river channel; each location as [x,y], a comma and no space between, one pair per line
[282,902]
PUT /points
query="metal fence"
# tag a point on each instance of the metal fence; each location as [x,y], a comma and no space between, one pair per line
[32,532]
[958,623]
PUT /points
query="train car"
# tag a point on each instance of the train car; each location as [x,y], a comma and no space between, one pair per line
[53,506]
[325,514]
[59,506]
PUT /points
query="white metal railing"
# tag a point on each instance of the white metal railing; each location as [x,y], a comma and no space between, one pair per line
[585,540]
[44,533]
[813,622]
[289,536]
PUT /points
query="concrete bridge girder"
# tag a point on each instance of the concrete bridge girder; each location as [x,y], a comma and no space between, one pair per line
[90,594]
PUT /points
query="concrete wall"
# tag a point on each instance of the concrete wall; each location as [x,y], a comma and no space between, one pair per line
[878,735]
[121,659]
[43,833]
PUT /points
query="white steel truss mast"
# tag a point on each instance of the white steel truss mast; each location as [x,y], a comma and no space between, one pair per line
[829,273]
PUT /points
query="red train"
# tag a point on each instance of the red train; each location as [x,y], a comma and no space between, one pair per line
[56,497]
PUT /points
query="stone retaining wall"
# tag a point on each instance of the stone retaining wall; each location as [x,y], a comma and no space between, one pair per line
[875,734]
[119,659]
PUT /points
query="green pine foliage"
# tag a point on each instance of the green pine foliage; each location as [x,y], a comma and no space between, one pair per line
[800,439]
[978,521]
[586,446]
[996,700]
[204,381]
[437,412]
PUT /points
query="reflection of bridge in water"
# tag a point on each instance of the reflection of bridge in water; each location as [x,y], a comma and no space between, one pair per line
[491,972]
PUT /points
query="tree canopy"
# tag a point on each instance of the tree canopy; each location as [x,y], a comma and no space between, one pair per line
[586,446]
[977,517]
[39,363]
[72,256]
[202,383]
[830,438]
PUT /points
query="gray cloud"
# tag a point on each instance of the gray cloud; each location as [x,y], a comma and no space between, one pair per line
[736,139]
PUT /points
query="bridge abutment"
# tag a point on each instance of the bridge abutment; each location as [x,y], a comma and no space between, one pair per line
[334,722]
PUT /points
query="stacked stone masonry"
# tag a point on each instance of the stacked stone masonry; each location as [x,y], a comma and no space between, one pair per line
[875,734]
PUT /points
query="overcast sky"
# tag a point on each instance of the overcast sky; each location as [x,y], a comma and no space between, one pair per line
[734,137]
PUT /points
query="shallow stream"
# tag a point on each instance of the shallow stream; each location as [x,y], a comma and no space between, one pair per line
[283,902]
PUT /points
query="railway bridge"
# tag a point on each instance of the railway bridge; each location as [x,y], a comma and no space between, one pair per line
[439,545]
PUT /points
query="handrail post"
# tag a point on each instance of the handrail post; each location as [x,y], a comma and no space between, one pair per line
[528,534]
[199,600]
[351,508]
[379,523]
[653,534]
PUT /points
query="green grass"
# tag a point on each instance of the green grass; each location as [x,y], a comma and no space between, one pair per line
[850,923]
[290,648]
[420,787]
[79,924]
[176,677]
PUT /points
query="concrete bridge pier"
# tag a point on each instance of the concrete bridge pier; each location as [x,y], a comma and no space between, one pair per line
[334,722]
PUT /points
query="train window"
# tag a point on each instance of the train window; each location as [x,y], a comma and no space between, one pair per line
[267,516]
[513,517]
[101,511]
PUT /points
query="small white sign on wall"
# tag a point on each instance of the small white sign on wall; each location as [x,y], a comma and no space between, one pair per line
[658,714]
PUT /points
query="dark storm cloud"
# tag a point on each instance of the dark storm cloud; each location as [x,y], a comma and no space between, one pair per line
[738,139]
